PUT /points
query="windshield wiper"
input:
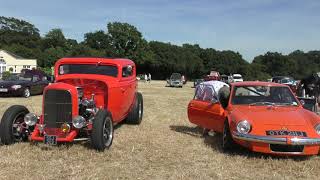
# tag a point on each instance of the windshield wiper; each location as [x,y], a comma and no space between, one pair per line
[261,103]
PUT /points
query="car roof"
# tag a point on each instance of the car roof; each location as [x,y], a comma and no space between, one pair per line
[116,61]
[257,83]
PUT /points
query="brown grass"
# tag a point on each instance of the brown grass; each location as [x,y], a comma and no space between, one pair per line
[164,146]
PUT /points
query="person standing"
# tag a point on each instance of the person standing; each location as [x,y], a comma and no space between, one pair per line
[145,77]
[149,78]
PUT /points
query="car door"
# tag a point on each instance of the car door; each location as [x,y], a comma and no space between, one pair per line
[42,84]
[205,110]
[35,85]
[126,89]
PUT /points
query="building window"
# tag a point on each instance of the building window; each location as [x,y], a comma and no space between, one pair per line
[26,67]
[3,65]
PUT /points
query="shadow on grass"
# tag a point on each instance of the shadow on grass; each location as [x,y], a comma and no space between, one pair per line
[215,142]
[67,145]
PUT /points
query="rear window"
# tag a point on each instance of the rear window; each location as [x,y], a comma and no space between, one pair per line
[107,70]
[175,76]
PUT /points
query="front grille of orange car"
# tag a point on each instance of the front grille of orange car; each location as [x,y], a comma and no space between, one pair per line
[57,108]
[286,148]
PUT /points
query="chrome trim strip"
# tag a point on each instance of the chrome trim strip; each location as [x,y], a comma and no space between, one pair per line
[276,140]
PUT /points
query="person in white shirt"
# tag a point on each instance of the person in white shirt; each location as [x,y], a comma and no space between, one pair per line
[149,78]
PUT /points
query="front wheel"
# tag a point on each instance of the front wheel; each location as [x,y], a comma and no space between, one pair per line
[227,141]
[13,128]
[102,131]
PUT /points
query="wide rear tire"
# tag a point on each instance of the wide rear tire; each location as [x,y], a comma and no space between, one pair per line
[102,131]
[12,127]
[136,113]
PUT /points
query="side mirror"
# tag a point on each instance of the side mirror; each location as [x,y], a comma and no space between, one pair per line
[302,102]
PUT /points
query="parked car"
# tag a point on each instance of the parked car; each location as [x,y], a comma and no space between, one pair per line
[31,82]
[213,75]
[237,78]
[175,80]
[89,96]
[197,81]
[287,81]
[261,116]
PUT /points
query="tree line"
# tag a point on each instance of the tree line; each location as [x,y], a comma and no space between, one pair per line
[158,58]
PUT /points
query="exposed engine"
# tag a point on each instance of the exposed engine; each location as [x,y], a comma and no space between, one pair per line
[87,107]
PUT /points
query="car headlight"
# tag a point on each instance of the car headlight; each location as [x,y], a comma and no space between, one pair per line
[243,127]
[16,86]
[30,119]
[79,122]
[317,128]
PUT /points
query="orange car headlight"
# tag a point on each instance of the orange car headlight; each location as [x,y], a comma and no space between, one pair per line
[317,128]
[243,127]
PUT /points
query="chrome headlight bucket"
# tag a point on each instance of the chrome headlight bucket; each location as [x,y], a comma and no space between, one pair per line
[31,119]
[79,122]
[244,127]
[317,128]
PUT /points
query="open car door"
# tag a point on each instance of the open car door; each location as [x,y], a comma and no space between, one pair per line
[205,110]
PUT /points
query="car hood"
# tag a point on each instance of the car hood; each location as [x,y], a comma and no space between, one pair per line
[7,84]
[264,118]
[273,115]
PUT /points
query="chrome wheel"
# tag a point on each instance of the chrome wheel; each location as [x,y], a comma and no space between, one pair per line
[108,132]
[18,127]
[140,110]
[26,92]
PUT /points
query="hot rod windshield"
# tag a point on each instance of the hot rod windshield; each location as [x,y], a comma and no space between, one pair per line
[107,70]
[263,95]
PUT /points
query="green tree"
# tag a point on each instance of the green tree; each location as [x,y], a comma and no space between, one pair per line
[54,38]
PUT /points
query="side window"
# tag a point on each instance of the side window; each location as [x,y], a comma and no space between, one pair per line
[35,78]
[127,71]
[206,93]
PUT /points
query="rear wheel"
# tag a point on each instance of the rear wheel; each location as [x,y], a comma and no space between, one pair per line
[102,131]
[136,113]
[13,128]
[227,141]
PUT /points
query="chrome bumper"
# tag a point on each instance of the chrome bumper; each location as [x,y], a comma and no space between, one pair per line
[277,140]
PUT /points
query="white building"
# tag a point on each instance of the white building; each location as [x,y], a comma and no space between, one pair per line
[15,63]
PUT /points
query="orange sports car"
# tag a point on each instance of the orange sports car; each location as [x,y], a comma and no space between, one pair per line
[261,116]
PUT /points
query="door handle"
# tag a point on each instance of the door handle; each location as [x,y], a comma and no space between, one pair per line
[123,90]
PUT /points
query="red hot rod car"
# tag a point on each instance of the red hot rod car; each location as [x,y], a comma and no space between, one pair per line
[89,96]
[261,116]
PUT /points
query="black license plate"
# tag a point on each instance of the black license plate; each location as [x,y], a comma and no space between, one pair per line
[286,133]
[50,140]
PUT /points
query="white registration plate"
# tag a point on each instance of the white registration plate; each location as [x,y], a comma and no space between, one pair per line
[50,140]
[3,90]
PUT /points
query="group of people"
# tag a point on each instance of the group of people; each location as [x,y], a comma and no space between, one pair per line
[147,77]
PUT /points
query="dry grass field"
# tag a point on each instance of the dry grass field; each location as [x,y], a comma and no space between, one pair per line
[164,146]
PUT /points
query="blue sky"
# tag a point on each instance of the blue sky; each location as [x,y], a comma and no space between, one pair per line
[251,27]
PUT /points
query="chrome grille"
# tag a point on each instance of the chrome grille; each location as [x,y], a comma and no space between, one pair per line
[57,108]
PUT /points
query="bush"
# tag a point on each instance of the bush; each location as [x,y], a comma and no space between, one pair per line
[5,75]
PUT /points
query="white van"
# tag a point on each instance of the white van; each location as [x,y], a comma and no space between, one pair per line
[237,78]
